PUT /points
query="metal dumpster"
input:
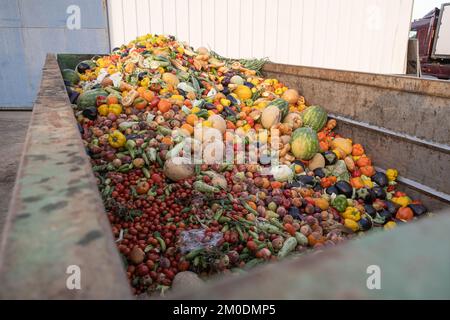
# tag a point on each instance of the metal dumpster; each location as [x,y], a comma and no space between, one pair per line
[56,217]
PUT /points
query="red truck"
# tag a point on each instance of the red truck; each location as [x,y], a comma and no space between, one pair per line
[433,35]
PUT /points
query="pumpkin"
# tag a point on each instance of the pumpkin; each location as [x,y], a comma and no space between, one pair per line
[315,117]
[304,143]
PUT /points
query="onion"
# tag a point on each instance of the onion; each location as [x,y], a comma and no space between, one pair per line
[178,168]
[291,96]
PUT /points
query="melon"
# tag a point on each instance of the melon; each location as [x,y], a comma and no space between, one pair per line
[304,143]
[314,117]
[89,98]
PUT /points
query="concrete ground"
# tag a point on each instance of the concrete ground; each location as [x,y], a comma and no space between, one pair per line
[13,128]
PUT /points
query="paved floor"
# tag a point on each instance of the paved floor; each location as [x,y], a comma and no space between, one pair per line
[13,128]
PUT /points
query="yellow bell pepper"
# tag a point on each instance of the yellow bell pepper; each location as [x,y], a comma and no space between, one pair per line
[279,91]
[103,110]
[367,181]
[351,213]
[207,123]
[115,108]
[225,102]
[145,82]
[195,110]
[390,225]
[116,139]
[391,174]
[349,223]
[401,201]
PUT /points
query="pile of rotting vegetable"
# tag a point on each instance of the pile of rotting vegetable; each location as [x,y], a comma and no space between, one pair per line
[138,107]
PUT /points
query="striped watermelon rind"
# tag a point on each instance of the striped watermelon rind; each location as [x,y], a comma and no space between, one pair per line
[304,143]
[315,117]
[282,104]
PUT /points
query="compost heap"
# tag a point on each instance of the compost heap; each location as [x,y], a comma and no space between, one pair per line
[138,107]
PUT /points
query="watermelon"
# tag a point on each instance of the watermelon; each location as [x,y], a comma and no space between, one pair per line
[88,98]
[281,104]
[314,117]
[304,143]
[71,76]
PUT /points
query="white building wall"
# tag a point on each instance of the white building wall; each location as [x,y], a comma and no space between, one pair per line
[359,35]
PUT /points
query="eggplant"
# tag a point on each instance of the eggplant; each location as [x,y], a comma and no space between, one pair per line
[391,207]
[293,184]
[295,213]
[73,96]
[380,179]
[317,188]
[365,223]
[225,91]
[418,209]
[82,67]
[299,163]
[331,190]
[249,84]
[209,106]
[90,113]
[344,188]
[370,210]
[305,180]
[379,192]
[80,128]
[330,157]
[386,215]
[141,75]
[232,99]
[225,81]
[318,172]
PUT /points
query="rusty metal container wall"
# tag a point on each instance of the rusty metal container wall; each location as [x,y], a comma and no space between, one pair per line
[401,121]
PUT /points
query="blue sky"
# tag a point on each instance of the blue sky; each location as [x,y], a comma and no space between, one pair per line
[422,7]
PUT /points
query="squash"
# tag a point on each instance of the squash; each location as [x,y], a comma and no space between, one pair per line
[243,92]
[270,116]
[314,117]
[293,119]
[304,143]
[217,122]
[291,96]
[171,79]
[342,144]
[318,161]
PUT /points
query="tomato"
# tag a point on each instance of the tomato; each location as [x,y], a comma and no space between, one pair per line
[142,187]
[156,178]
[405,214]
[164,105]
[251,245]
